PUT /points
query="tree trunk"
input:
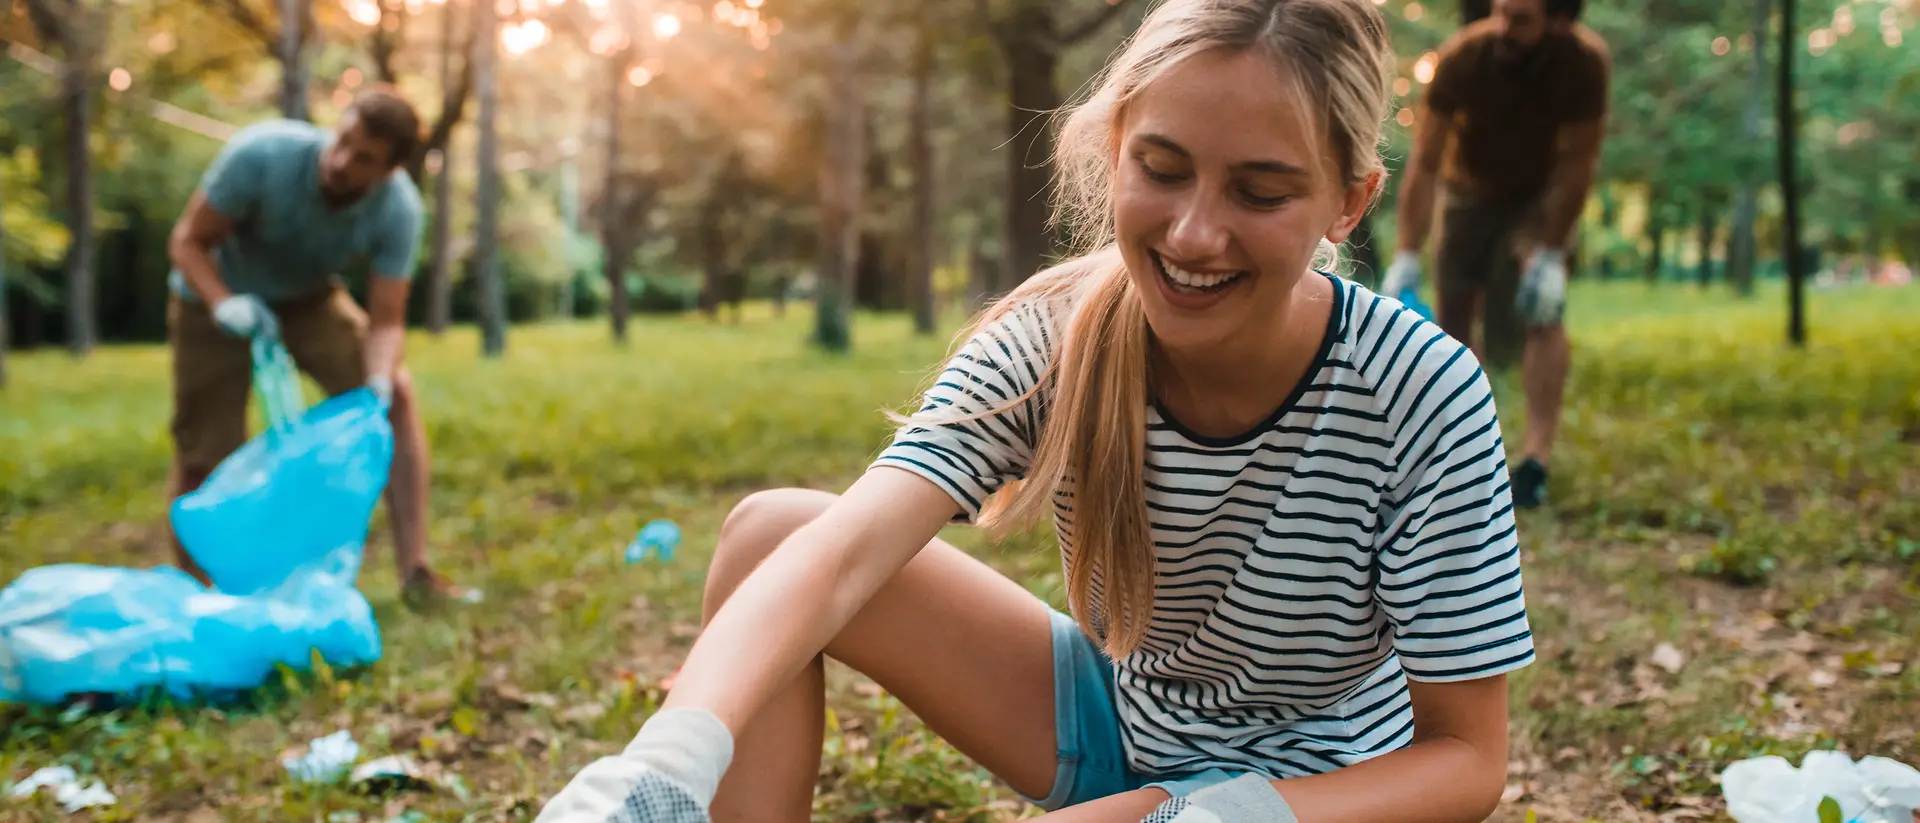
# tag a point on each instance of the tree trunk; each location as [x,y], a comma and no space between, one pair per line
[293,66]
[3,292]
[1028,45]
[1789,184]
[1709,230]
[493,302]
[713,249]
[440,276]
[82,332]
[1742,251]
[840,184]
[921,147]
[1658,234]
[612,241]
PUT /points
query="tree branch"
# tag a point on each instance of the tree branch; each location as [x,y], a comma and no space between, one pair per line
[48,22]
[1094,22]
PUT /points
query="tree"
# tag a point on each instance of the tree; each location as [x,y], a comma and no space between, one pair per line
[1789,184]
[840,189]
[286,44]
[493,299]
[1031,40]
[1742,251]
[74,27]
[921,147]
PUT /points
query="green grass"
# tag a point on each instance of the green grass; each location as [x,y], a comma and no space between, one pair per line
[1754,506]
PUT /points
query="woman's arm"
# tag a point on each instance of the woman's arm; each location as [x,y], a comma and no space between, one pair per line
[806,591]
[1453,773]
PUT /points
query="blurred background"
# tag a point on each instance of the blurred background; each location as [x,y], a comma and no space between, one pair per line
[725,235]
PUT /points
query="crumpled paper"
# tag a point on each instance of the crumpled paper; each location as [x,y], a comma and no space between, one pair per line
[68,791]
[1770,790]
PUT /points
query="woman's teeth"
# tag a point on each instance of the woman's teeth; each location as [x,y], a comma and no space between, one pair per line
[1193,281]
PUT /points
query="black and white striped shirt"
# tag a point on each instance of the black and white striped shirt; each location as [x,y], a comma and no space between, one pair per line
[1360,537]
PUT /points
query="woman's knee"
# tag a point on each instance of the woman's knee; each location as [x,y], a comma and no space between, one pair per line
[754,528]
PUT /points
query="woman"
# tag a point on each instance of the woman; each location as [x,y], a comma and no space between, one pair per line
[1281,499]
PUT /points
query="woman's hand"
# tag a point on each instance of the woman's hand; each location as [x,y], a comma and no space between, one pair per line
[668,774]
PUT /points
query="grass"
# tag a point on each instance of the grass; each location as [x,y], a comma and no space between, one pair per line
[1754,507]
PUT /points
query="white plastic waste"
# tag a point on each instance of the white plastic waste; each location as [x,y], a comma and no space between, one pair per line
[67,789]
[327,759]
[1770,790]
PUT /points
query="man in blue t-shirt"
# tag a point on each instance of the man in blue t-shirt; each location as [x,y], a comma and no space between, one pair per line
[285,208]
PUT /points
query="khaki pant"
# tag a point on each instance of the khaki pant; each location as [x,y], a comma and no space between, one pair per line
[1483,245]
[213,371]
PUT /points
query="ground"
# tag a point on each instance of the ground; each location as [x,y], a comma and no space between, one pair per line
[1730,565]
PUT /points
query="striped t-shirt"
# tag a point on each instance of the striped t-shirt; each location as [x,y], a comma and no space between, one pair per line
[1363,535]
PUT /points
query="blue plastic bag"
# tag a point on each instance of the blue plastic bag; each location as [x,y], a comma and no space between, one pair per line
[280,526]
[297,494]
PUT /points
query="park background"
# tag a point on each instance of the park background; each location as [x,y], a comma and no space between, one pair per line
[678,252]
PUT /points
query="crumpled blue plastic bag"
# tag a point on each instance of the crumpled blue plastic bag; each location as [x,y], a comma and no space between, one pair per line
[290,497]
[280,526]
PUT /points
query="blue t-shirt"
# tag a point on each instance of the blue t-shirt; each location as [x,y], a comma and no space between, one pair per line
[287,242]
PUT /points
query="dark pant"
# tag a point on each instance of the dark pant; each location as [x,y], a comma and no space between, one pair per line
[1484,241]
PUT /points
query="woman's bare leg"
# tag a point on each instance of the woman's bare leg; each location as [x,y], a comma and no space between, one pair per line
[967,650]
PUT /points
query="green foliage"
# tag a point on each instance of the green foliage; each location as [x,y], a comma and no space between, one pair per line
[32,235]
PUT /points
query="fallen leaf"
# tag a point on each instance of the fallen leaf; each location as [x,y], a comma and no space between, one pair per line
[1667,657]
[1822,678]
[1514,793]
[684,631]
[868,688]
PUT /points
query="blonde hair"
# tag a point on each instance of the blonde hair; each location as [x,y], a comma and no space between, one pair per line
[1092,448]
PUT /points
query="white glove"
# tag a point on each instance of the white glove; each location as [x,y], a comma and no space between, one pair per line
[1248,798]
[244,315]
[1403,274]
[668,774]
[382,387]
[1543,288]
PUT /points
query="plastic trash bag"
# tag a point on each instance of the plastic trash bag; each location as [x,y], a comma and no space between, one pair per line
[280,526]
[1771,790]
[295,495]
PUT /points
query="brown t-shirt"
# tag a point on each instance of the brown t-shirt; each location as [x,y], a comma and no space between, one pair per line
[1506,112]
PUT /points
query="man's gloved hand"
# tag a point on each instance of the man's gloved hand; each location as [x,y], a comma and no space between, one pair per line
[1543,288]
[1248,798]
[246,316]
[668,774]
[1403,275]
[382,387]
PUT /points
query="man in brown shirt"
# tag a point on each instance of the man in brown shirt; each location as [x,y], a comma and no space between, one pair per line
[1511,126]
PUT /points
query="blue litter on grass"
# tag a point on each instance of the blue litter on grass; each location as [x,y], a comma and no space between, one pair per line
[280,526]
[658,539]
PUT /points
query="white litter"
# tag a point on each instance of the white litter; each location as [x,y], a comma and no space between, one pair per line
[1770,790]
[68,790]
[327,759]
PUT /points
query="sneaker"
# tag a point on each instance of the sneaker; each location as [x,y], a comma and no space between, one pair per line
[427,589]
[1529,482]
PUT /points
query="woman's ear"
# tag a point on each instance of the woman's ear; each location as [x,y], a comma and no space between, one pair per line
[1355,201]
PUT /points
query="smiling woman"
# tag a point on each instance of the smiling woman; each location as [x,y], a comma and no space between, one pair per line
[1290,557]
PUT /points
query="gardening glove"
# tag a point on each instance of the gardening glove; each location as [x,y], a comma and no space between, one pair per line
[1403,275]
[668,774]
[1248,798]
[1543,288]
[382,387]
[245,316]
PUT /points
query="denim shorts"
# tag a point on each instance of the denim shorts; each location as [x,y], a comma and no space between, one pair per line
[1093,760]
